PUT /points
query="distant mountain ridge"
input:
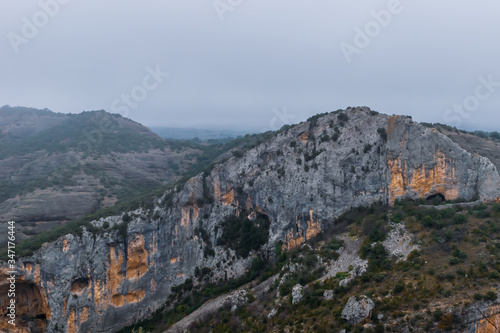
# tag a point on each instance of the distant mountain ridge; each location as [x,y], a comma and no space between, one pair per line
[192,133]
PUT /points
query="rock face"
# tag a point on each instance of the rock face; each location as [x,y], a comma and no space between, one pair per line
[357,311]
[299,181]
[297,293]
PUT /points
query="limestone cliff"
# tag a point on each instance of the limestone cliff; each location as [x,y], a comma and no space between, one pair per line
[299,181]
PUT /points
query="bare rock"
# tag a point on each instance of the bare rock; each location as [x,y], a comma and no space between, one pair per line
[297,293]
[328,294]
[398,242]
[358,311]
[272,313]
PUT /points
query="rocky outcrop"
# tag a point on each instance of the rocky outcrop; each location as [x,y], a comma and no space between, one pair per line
[423,162]
[328,294]
[357,311]
[236,299]
[297,294]
[399,243]
[348,261]
[299,181]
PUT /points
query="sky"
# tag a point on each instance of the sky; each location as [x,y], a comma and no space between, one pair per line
[253,65]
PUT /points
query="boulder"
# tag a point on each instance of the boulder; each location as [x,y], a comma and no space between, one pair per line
[357,311]
[328,294]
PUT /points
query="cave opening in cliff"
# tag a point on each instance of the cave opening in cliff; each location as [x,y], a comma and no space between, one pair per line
[79,285]
[32,310]
[436,197]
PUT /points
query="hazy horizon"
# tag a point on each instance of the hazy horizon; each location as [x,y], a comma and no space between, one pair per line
[253,65]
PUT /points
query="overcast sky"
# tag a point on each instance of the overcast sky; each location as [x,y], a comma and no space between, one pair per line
[253,64]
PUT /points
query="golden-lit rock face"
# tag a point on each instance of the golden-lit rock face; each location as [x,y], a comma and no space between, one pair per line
[71,322]
[137,259]
[189,213]
[65,245]
[294,239]
[114,273]
[174,260]
[135,296]
[485,325]
[391,124]
[110,292]
[76,318]
[304,137]
[223,192]
[423,180]
[84,315]
[228,198]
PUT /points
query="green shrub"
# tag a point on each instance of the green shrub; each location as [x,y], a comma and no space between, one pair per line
[491,296]
[379,277]
[459,254]
[399,287]
[375,229]
[376,255]
[243,235]
[481,214]
[238,153]
[459,219]
[447,213]
[382,132]
[342,117]
[427,221]
[342,275]
[125,218]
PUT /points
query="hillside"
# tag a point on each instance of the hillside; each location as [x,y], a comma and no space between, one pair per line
[476,145]
[59,167]
[420,269]
[266,211]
